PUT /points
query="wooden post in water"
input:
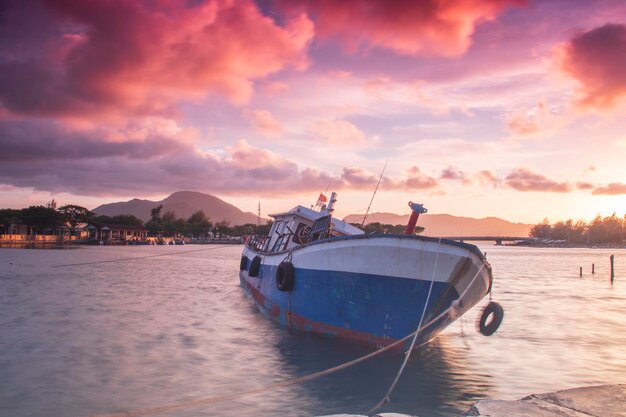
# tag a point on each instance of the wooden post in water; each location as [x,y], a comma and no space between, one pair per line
[612,258]
[581,271]
[593,269]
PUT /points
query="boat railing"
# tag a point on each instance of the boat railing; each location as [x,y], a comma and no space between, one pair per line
[258,243]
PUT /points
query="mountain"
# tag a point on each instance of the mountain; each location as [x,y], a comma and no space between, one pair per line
[184,204]
[448,225]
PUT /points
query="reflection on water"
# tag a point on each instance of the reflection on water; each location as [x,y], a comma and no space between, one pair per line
[433,383]
[126,335]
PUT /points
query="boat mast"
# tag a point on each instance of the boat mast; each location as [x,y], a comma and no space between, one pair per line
[374,195]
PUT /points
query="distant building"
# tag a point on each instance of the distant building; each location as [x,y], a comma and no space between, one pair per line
[80,231]
[20,229]
[117,233]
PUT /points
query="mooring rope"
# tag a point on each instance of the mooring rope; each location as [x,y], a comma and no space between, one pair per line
[292,381]
[140,257]
[258,390]
[387,397]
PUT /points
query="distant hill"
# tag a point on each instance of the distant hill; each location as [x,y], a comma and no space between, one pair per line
[448,225]
[184,204]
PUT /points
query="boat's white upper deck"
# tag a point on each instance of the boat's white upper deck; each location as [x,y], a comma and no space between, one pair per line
[312,215]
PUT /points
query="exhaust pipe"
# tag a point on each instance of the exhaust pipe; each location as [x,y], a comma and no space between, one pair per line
[416,210]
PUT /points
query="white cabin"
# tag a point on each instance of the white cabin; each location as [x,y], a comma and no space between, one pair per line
[302,225]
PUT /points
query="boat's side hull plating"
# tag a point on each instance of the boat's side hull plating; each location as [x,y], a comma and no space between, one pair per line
[370,289]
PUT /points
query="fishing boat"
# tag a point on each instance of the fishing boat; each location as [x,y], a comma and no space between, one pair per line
[319,274]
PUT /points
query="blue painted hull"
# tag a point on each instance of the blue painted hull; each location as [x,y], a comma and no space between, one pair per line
[365,307]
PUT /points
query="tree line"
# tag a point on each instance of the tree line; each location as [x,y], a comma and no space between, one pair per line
[49,219]
[610,229]
[377,227]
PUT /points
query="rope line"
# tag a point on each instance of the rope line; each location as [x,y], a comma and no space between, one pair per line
[292,381]
[139,257]
[407,355]
[285,383]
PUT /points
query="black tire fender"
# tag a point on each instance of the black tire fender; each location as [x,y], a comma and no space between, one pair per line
[243,263]
[495,309]
[285,276]
[255,266]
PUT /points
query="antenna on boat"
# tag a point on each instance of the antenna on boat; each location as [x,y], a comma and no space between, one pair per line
[322,198]
[328,186]
[374,195]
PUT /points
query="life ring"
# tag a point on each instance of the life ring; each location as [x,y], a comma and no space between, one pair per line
[255,266]
[285,276]
[495,309]
[243,263]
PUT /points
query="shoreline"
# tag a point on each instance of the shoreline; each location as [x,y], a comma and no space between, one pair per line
[589,401]
[38,243]
[60,244]
[596,401]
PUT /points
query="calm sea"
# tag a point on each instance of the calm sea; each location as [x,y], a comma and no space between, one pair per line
[134,334]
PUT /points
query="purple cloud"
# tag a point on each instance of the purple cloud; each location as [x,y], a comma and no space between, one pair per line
[451,173]
[522,179]
[597,59]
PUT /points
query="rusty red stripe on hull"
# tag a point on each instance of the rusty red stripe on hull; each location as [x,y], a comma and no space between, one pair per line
[298,322]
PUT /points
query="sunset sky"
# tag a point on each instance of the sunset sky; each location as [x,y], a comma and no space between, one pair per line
[513,109]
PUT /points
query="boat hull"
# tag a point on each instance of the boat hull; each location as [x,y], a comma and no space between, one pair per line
[371,289]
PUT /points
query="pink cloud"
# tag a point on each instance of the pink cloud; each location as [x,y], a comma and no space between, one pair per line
[377,85]
[265,122]
[339,133]
[358,178]
[275,87]
[521,125]
[584,186]
[38,142]
[102,160]
[47,157]
[590,170]
[416,180]
[597,59]
[522,179]
[540,118]
[143,56]
[451,173]
[404,26]
[488,178]
[245,156]
[614,188]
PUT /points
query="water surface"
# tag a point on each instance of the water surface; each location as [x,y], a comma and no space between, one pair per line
[100,338]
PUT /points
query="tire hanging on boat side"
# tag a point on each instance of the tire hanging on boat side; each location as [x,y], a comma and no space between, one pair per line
[487,329]
[243,263]
[255,266]
[285,276]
